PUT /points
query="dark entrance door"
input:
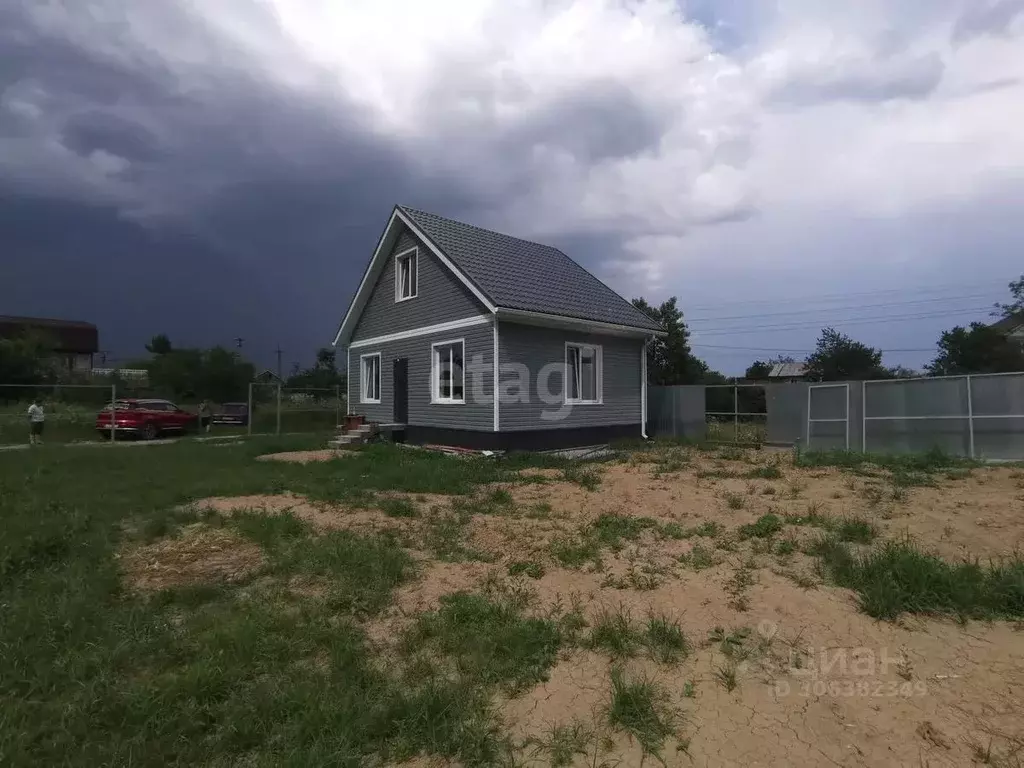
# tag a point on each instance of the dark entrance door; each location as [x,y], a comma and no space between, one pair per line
[401,382]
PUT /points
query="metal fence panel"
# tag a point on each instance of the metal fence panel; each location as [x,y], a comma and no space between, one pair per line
[903,398]
[787,412]
[677,412]
[828,417]
[997,410]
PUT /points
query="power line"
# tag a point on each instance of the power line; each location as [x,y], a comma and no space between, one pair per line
[833,322]
[855,307]
[782,349]
[957,288]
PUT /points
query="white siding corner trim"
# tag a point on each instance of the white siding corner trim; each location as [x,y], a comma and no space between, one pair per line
[497,409]
[427,330]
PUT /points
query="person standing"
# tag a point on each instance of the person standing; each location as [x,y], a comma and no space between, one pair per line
[36,420]
[204,416]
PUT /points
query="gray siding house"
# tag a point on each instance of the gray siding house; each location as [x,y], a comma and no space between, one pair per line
[448,315]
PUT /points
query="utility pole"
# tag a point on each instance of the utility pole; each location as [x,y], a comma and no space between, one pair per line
[279,352]
[239,341]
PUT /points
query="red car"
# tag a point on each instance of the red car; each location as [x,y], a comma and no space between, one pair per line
[148,419]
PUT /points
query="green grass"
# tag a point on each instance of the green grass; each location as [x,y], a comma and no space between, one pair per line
[665,639]
[398,508]
[575,551]
[699,558]
[610,530]
[764,527]
[490,641]
[564,743]
[912,468]
[855,530]
[899,578]
[526,568]
[614,633]
[638,706]
[255,672]
[765,472]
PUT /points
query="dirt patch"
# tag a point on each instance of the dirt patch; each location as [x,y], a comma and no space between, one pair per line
[320,515]
[305,457]
[436,580]
[200,555]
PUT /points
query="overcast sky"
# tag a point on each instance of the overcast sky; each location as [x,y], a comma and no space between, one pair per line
[221,169]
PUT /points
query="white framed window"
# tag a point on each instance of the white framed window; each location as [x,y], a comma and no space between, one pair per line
[448,371]
[407,275]
[583,374]
[369,379]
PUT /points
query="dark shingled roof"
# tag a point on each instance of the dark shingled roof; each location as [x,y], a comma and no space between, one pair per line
[1009,323]
[73,336]
[519,274]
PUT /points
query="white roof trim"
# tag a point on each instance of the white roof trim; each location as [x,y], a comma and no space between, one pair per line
[574,323]
[426,330]
[355,309]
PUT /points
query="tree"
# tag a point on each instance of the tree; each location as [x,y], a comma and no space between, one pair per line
[837,357]
[23,360]
[669,358]
[159,345]
[323,375]
[1016,306]
[978,349]
[216,374]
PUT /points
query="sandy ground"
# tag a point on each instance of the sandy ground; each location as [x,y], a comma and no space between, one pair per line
[819,683]
[305,457]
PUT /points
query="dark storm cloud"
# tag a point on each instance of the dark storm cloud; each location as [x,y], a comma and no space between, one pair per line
[879,79]
[601,121]
[987,18]
[245,211]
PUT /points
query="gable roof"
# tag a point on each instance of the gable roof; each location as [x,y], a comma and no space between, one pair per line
[507,274]
[74,336]
[1009,323]
[520,274]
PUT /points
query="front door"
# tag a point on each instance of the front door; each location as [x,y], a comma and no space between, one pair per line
[401,383]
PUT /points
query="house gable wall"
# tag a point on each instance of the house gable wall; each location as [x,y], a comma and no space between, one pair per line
[441,296]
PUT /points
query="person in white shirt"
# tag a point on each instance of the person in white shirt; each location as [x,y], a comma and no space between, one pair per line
[36,420]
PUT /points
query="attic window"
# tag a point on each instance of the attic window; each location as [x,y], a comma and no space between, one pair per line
[407,275]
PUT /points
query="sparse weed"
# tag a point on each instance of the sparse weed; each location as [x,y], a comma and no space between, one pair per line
[527,568]
[665,639]
[765,472]
[639,706]
[765,527]
[699,558]
[734,500]
[395,507]
[614,633]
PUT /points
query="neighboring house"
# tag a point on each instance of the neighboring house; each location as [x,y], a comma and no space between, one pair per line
[446,313]
[72,343]
[126,374]
[788,372]
[1012,326]
[267,376]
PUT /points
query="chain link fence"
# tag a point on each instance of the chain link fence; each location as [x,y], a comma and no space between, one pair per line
[78,413]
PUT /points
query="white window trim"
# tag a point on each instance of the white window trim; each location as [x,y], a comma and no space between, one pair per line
[362,379]
[435,389]
[599,355]
[413,253]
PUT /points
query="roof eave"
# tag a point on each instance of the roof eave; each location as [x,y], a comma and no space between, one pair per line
[530,317]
